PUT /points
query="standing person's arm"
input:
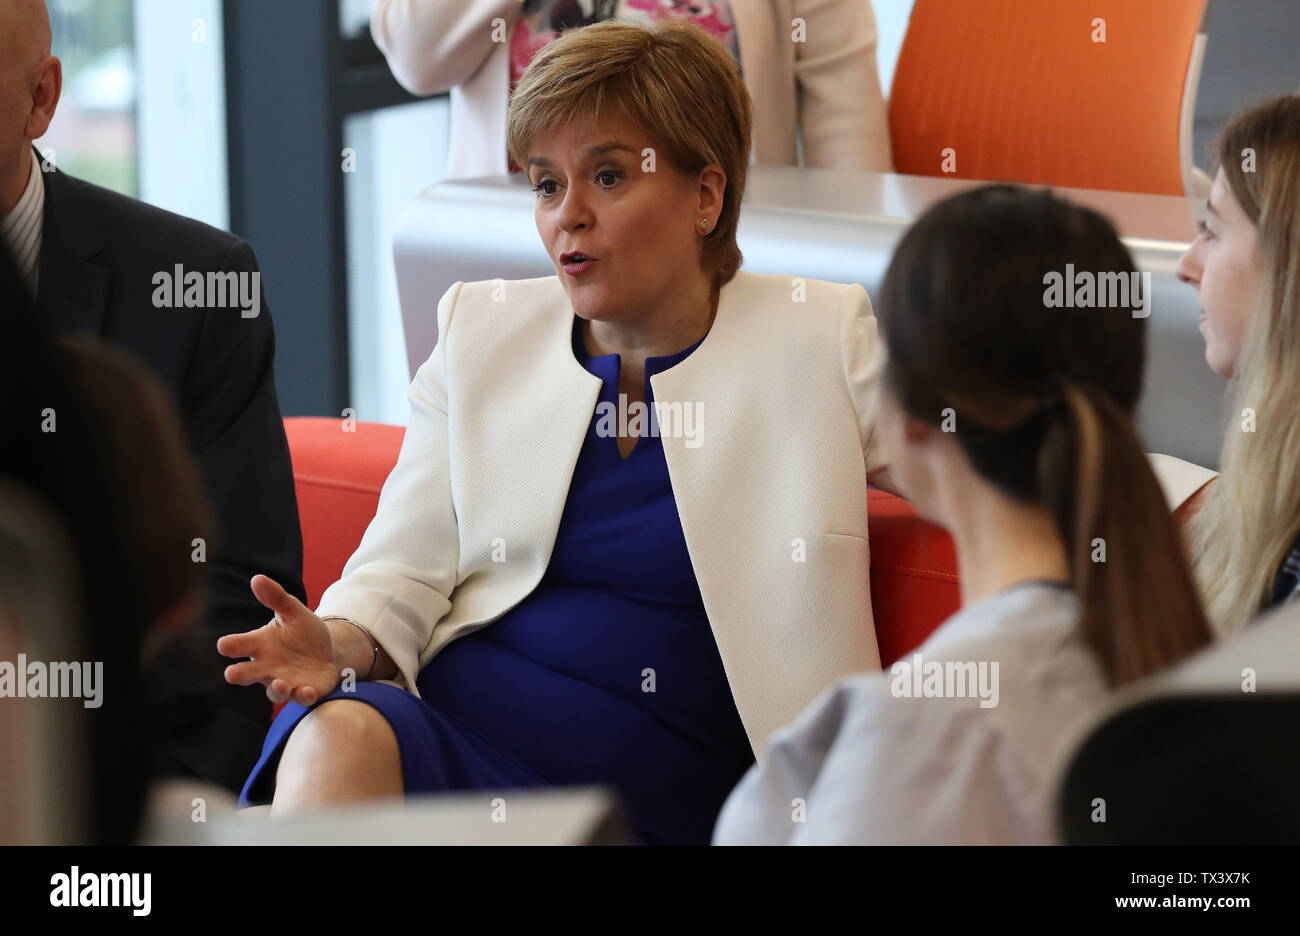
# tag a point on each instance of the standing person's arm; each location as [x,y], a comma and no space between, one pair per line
[434,45]
[841,107]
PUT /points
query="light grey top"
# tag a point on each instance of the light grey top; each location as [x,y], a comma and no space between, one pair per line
[881,758]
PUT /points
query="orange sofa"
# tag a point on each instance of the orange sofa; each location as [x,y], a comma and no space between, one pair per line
[338,476]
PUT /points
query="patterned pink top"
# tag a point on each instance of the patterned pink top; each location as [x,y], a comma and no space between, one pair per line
[543,20]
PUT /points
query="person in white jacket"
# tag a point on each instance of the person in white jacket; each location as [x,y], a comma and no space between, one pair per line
[809,66]
[539,603]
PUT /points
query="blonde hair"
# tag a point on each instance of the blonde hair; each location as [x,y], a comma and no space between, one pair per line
[672,79]
[1251,514]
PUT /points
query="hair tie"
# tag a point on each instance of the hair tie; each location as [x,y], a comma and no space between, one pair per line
[1052,399]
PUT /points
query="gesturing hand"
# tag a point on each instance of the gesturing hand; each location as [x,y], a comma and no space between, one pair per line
[293,655]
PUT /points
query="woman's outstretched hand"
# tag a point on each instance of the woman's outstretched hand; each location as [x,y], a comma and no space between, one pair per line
[293,655]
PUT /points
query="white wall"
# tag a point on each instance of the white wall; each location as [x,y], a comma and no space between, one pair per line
[399,151]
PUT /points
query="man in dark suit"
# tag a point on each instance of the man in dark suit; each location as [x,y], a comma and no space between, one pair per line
[186,299]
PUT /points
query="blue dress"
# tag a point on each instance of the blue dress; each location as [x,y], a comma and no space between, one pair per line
[607,673]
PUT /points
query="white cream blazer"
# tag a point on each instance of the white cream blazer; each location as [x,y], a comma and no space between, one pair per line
[772,499]
[827,84]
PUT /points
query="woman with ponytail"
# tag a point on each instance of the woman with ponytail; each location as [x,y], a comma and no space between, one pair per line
[1245,267]
[1007,418]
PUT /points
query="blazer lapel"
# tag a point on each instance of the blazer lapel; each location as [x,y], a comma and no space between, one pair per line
[703,474]
[557,417]
[720,482]
[711,368]
[72,289]
[530,414]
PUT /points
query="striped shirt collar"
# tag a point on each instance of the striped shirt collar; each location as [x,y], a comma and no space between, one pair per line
[22,229]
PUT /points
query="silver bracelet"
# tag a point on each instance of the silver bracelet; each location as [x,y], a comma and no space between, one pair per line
[373,646]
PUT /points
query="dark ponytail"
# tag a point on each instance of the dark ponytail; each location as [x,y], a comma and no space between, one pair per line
[1139,609]
[1044,396]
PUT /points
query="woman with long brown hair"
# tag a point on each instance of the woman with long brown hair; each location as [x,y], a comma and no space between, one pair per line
[1245,267]
[1007,417]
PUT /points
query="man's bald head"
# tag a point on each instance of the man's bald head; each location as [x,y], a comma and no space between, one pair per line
[24,33]
[31,80]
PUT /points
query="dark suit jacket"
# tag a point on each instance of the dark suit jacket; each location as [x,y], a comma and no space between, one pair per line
[99,254]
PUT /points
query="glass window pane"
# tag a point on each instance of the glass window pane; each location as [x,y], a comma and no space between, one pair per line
[396,153]
[354,18]
[93,134]
[181,108]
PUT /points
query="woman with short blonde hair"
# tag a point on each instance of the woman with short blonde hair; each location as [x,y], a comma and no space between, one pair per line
[626,537]
[667,84]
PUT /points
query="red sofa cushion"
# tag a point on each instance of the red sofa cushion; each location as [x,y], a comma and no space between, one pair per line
[338,476]
[914,584]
